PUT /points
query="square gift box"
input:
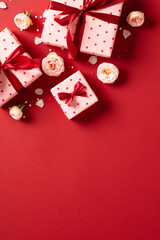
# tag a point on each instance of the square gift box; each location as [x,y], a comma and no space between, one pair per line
[98,36]
[79,103]
[8,43]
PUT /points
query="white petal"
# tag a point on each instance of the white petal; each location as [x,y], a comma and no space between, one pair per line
[93,60]
[3,5]
[37,41]
[40,103]
[39,91]
[126,33]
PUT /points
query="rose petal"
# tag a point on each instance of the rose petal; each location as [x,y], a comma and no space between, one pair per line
[3,5]
[40,103]
[39,91]
[93,60]
[37,41]
[126,33]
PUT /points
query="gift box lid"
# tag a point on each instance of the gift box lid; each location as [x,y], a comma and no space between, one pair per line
[79,103]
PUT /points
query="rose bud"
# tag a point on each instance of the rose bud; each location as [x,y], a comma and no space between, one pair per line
[53,65]
[16,112]
[135,18]
[107,73]
[23,20]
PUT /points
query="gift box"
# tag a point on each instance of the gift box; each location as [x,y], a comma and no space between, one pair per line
[74,95]
[13,80]
[98,35]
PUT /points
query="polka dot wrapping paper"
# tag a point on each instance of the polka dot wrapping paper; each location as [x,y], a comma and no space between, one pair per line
[79,103]
[98,36]
[8,43]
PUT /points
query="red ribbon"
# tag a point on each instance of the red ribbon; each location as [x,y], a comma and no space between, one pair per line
[17,61]
[72,13]
[78,91]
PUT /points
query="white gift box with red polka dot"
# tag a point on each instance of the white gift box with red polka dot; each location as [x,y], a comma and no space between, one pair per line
[79,103]
[98,37]
[8,43]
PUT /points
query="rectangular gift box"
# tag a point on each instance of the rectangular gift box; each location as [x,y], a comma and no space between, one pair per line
[79,103]
[98,36]
[8,43]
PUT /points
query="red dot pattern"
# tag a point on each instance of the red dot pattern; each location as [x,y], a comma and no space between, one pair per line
[96,33]
[79,103]
[8,43]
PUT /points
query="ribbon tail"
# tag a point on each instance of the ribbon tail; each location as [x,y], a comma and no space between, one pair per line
[71,45]
[13,80]
[69,101]
[79,31]
[16,53]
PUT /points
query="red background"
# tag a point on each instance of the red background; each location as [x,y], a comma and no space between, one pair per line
[96,177]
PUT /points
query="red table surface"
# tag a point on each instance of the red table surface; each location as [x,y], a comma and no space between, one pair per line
[96,177]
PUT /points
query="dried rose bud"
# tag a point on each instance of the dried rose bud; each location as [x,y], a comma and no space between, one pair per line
[107,73]
[135,18]
[23,20]
[16,112]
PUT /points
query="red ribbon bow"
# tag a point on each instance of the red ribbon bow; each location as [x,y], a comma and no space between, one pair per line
[17,61]
[78,91]
[72,13]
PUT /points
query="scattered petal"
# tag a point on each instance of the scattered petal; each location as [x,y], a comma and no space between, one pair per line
[3,5]
[40,103]
[120,28]
[37,41]
[93,60]
[39,91]
[126,33]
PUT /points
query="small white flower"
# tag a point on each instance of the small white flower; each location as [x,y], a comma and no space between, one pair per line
[107,73]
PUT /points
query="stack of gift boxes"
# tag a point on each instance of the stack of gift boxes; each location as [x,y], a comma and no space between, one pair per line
[97,32]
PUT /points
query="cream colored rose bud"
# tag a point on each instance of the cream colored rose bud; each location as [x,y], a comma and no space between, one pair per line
[107,73]
[16,112]
[53,65]
[135,18]
[23,20]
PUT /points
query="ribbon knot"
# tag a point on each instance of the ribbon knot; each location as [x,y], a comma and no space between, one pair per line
[78,91]
[16,60]
[69,14]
